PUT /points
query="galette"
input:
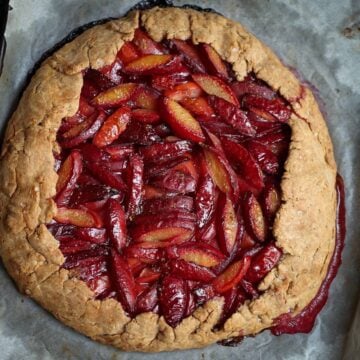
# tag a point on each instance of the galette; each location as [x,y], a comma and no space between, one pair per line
[167,183]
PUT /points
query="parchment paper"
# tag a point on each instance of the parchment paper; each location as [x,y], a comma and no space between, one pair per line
[318,38]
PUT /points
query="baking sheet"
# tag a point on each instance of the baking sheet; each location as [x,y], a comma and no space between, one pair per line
[321,40]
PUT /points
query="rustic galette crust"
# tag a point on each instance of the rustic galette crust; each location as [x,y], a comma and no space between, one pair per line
[304,226]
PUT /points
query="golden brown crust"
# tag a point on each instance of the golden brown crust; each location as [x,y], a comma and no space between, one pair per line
[304,226]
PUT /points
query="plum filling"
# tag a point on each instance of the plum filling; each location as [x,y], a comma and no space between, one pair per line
[169,180]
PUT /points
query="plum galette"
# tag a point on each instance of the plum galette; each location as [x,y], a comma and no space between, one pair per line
[166,183]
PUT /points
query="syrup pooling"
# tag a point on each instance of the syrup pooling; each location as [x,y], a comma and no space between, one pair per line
[169,180]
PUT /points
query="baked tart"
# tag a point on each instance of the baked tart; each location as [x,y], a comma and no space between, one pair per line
[167,183]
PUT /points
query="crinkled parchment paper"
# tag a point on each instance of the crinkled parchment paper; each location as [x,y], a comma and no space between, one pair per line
[321,40]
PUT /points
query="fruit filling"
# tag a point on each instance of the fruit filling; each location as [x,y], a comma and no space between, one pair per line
[169,180]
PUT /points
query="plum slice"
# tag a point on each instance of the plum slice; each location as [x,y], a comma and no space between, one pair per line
[163,230]
[183,91]
[271,200]
[200,254]
[176,181]
[198,106]
[145,255]
[119,151]
[233,115]
[145,97]
[205,200]
[89,193]
[69,173]
[188,166]
[232,275]
[169,215]
[269,109]
[103,173]
[78,217]
[116,224]
[114,96]
[263,262]
[181,121]
[248,166]
[169,81]
[94,235]
[250,86]
[147,300]
[154,170]
[179,202]
[191,271]
[152,192]
[85,259]
[190,53]
[135,186]
[226,224]
[80,133]
[148,276]
[124,282]
[145,116]
[139,133]
[264,156]
[147,63]
[213,85]
[222,174]
[113,126]
[71,246]
[128,53]
[254,217]
[173,299]
[165,150]
[215,63]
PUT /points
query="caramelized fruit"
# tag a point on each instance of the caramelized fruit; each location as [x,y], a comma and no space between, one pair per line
[169,180]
